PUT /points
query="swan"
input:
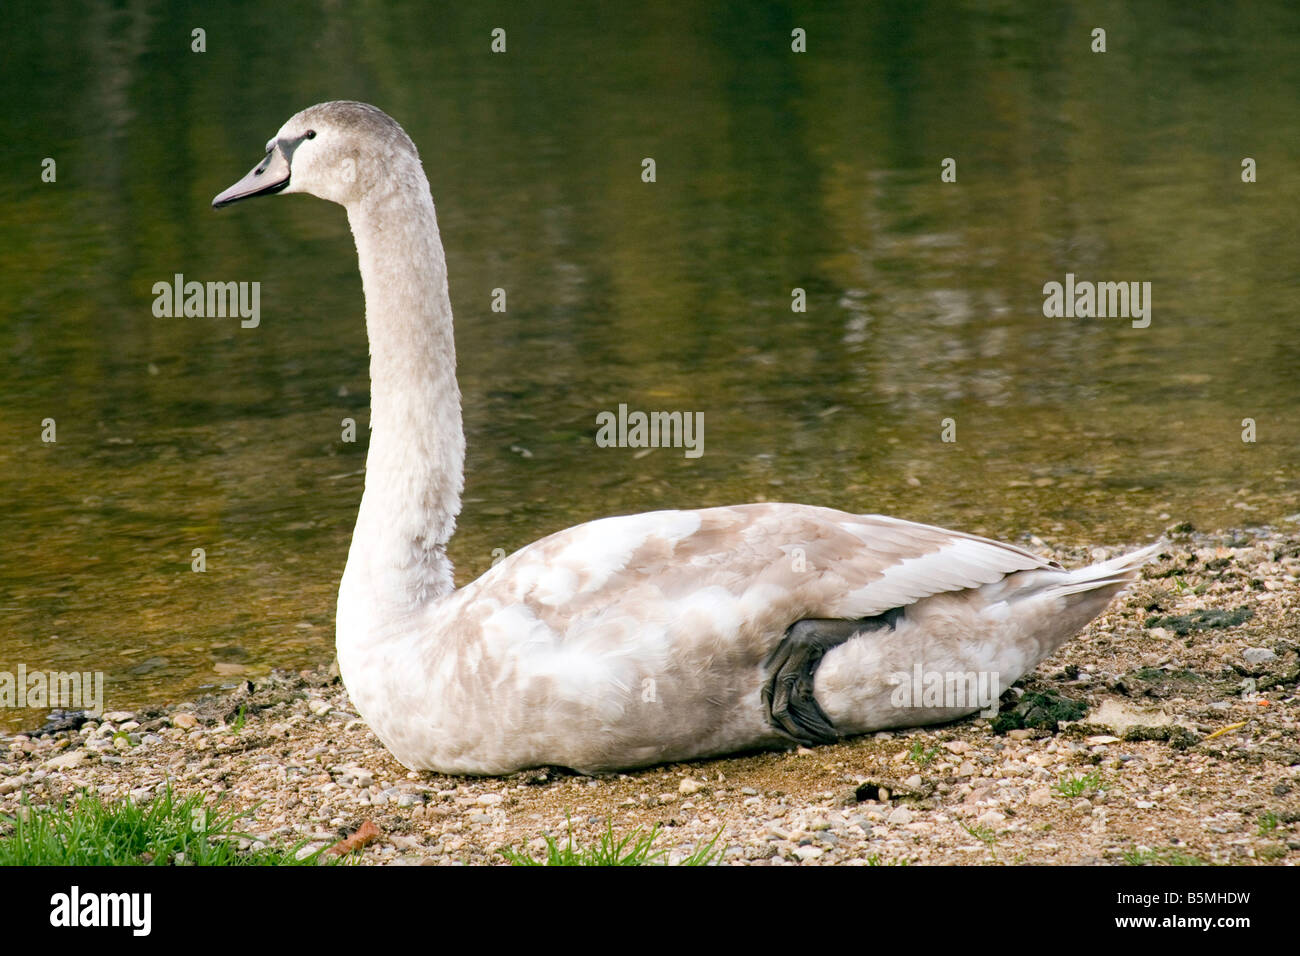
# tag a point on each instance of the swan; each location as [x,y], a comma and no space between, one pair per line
[638,639]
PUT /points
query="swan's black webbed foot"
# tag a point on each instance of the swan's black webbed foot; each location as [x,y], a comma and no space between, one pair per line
[788,694]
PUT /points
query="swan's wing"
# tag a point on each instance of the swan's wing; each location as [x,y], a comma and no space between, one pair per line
[643,638]
[762,566]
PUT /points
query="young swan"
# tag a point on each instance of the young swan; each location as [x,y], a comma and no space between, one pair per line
[638,639]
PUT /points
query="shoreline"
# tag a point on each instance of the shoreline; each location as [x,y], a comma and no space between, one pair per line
[1139,740]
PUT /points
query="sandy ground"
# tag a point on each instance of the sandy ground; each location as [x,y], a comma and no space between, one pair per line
[1167,732]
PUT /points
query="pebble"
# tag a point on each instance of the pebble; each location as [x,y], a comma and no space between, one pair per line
[1258,655]
[690,786]
[806,853]
[1041,797]
[185,721]
[991,818]
[957,746]
[68,761]
[900,817]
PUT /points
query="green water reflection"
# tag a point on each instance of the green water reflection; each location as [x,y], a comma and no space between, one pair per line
[774,171]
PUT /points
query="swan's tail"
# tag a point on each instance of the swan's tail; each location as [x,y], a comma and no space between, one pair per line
[1113,575]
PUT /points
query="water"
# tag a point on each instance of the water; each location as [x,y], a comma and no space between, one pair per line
[774,171]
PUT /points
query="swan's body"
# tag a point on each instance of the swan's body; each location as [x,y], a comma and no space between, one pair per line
[630,640]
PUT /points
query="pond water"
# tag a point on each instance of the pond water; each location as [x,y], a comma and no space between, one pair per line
[774,171]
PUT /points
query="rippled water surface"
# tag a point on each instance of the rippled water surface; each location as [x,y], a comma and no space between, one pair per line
[775,170]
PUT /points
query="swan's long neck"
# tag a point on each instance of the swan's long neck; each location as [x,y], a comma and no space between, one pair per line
[415,467]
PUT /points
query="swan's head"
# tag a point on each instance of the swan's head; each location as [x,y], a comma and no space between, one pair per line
[340,151]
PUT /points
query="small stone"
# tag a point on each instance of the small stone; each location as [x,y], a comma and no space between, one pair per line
[117,716]
[489,800]
[1258,655]
[68,761]
[915,781]
[1040,798]
[1102,739]
[967,769]
[185,721]
[957,746]
[689,786]
[990,818]
[356,777]
[1020,734]
[900,817]
[806,853]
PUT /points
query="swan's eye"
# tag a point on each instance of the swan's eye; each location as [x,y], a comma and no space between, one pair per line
[311,134]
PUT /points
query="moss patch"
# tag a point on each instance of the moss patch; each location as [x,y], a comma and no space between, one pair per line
[1039,711]
[1183,624]
[1180,738]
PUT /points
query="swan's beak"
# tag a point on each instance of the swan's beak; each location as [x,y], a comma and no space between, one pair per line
[269,176]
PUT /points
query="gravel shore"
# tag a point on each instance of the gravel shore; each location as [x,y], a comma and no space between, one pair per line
[1169,731]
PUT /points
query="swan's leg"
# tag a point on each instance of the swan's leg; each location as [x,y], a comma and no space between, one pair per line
[788,694]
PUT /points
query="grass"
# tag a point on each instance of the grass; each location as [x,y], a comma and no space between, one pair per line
[920,756]
[1267,823]
[984,834]
[875,860]
[635,849]
[1078,786]
[167,830]
[1160,856]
